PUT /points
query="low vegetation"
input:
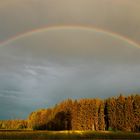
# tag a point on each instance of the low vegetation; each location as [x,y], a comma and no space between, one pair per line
[67,135]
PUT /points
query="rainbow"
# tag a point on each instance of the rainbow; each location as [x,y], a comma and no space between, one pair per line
[60,27]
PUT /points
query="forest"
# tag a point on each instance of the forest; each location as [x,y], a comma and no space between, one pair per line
[120,113]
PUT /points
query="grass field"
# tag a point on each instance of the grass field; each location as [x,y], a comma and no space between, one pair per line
[29,134]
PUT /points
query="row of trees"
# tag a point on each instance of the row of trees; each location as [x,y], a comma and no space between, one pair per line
[116,113]
[13,124]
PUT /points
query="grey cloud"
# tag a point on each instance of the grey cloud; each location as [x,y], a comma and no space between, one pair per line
[117,16]
[42,69]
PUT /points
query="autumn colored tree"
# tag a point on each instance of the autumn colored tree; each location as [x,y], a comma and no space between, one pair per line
[136,111]
[116,113]
[101,116]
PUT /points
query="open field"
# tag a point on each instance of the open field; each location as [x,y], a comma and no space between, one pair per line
[29,134]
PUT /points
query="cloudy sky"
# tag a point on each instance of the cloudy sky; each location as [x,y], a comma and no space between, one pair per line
[41,66]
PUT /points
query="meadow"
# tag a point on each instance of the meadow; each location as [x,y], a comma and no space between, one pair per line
[29,134]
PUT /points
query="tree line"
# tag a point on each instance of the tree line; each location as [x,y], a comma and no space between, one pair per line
[116,113]
[13,124]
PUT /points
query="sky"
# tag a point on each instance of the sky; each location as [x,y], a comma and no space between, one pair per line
[52,50]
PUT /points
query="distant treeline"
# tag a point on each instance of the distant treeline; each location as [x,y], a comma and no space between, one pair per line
[116,113]
[13,124]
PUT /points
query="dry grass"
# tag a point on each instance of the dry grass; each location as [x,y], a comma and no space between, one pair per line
[28,134]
